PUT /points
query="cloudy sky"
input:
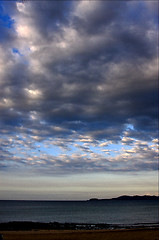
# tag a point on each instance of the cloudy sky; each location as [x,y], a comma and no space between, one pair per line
[78,99]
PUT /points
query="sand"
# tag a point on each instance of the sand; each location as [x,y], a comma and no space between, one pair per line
[133,234]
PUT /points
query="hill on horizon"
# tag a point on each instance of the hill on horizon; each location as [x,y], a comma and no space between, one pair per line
[127,197]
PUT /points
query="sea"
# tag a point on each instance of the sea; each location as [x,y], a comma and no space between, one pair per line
[91,212]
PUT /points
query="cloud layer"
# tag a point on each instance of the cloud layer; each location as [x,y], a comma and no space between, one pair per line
[74,76]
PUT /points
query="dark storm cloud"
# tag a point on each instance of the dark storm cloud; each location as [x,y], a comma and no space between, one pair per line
[77,90]
[82,68]
[98,16]
[48,16]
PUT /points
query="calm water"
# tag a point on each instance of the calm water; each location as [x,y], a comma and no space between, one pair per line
[111,212]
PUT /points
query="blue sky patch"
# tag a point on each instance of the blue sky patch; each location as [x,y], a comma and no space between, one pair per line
[16,51]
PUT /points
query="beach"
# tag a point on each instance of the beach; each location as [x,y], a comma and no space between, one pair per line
[128,234]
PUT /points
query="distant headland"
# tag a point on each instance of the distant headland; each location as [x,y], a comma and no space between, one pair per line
[126,197]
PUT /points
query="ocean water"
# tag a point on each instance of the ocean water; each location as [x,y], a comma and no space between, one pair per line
[110,212]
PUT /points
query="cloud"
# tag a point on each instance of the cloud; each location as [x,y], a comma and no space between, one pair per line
[26,154]
[82,73]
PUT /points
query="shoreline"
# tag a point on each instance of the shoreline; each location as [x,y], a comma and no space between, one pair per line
[30,225]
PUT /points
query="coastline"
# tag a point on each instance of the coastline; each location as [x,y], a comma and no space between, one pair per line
[30,225]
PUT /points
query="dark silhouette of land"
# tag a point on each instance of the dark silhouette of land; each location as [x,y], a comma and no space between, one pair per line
[126,197]
[28,226]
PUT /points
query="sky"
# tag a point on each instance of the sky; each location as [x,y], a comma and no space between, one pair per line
[78,99]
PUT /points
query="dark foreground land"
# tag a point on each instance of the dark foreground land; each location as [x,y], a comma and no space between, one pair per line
[129,234]
[29,226]
[72,231]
